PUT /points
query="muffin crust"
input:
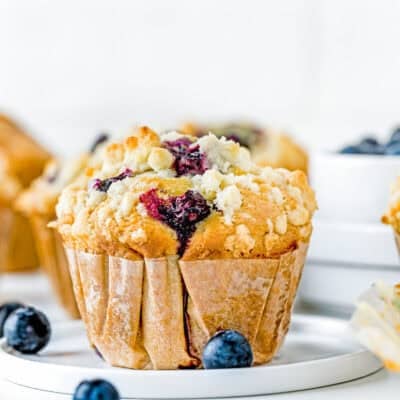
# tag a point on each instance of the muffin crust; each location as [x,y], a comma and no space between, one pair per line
[255,212]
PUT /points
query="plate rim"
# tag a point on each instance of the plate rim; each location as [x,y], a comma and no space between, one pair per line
[369,364]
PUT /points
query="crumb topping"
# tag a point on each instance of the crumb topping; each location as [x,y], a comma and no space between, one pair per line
[168,194]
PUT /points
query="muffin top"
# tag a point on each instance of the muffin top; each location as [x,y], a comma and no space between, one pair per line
[10,187]
[267,147]
[21,158]
[199,198]
[392,216]
[42,195]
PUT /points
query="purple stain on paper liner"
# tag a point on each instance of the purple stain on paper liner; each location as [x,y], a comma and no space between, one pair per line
[181,213]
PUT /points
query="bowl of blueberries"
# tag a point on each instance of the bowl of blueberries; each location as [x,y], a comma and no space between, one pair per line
[370,145]
[353,183]
[351,247]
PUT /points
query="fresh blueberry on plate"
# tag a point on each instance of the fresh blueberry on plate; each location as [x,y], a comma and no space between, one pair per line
[27,330]
[5,310]
[97,389]
[227,349]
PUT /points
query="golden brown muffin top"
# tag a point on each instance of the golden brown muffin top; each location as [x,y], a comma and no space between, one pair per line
[202,198]
[267,147]
[21,158]
[42,195]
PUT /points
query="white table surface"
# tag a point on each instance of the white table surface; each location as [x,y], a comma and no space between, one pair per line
[377,386]
[35,291]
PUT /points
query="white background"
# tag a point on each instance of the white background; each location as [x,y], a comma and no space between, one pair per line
[328,71]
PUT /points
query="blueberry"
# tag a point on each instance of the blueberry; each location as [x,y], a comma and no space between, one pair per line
[5,310]
[370,141]
[103,137]
[102,185]
[27,330]
[366,148]
[227,349]
[370,145]
[393,149]
[350,150]
[189,160]
[97,389]
[395,136]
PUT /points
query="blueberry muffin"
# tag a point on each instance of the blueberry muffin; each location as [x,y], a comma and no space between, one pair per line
[38,203]
[392,215]
[267,147]
[21,161]
[173,238]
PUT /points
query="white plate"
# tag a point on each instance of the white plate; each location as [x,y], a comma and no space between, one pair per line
[318,351]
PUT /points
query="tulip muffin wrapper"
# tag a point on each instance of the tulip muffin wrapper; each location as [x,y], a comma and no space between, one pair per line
[17,248]
[54,262]
[376,321]
[376,324]
[159,313]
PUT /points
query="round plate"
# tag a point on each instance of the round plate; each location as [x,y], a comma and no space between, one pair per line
[318,351]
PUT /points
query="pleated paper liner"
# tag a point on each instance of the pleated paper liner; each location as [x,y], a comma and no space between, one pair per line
[159,313]
[397,239]
[376,321]
[54,261]
[17,248]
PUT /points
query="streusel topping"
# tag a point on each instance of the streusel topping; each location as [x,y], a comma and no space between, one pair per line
[153,195]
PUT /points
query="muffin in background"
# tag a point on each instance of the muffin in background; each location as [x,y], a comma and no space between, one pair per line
[267,147]
[21,160]
[172,238]
[38,203]
[376,322]
[392,215]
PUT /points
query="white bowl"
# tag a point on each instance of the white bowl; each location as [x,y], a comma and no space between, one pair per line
[353,243]
[350,247]
[344,260]
[335,287]
[352,188]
